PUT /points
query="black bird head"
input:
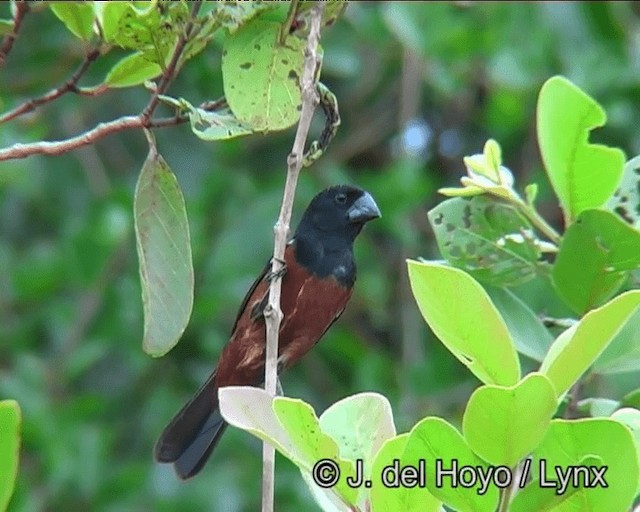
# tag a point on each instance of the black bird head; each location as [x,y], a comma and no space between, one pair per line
[325,235]
[339,211]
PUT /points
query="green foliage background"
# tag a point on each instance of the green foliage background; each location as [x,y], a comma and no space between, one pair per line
[70,310]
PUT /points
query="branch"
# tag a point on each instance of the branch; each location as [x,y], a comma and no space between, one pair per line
[273,313]
[168,73]
[7,44]
[143,120]
[102,130]
[70,85]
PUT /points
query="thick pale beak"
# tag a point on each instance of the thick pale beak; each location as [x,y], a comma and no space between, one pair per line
[363,210]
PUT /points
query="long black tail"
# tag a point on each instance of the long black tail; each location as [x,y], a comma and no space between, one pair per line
[188,440]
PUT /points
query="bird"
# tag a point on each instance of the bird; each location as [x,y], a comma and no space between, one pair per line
[319,275]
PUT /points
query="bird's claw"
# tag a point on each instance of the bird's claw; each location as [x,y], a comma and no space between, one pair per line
[271,275]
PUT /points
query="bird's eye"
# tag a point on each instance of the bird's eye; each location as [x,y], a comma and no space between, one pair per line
[341,198]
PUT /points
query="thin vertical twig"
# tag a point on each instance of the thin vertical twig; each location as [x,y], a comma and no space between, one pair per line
[411,334]
[273,313]
[21,9]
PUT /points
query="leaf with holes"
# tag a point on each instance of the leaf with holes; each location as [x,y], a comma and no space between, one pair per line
[164,253]
[583,175]
[626,200]
[152,30]
[261,76]
[491,240]
[233,15]
[332,11]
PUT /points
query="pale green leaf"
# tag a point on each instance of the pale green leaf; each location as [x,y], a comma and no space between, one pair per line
[583,175]
[291,427]
[596,255]
[531,337]
[568,442]
[482,342]
[504,424]
[218,125]
[440,448]
[10,420]
[390,495]
[262,77]
[132,70]
[576,349]
[77,16]
[164,254]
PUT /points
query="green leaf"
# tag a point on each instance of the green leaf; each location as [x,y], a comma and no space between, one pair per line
[397,497]
[529,334]
[598,407]
[10,420]
[233,15]
[623,353]
[359,424]
[468,191]
[208,26]
[568,442]
[504,424]
[261,77]
[482,341]
[109,15]
[489,239]
[575,350]
[164,253]
[291,427]
[583,175]
[632,399]
[531,192]
[630,418]
[151,29]
[332,11]
[597,252]
[77,17]
[540,498]
[442,448]
[486,168]
[626,200]
[6,27]
[132,70]
[218,125]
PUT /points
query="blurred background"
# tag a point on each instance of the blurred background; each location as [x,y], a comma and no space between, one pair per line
[419,86]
